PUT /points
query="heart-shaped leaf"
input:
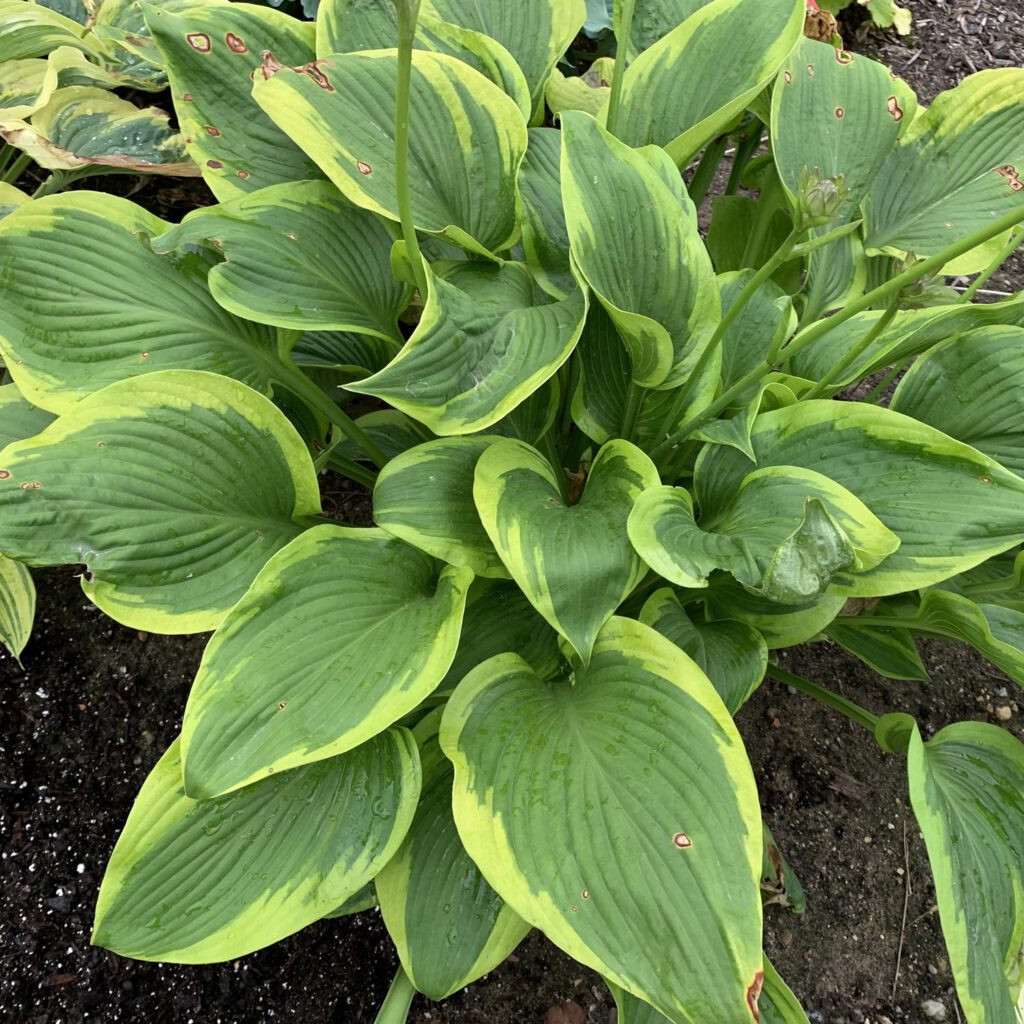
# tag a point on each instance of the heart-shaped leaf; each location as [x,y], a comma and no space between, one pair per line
[25,86]
[342,633]
[573,562]
[172,488]
[967,791]
[510,336]
[297,255]
[17,605]
[466,139]
[203,881]
[160,316]
[448,925]
[632,228]
[643,861]
[32,30]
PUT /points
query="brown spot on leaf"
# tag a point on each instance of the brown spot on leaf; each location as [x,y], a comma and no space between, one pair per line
[101,444]
[789,77]
[586,894]
[244,175]
[145,355]
[5,474]
[575,910]
[294,237]
[26,486]
[1012,175]
[214,133]
[986,479]
[215,164]
[199,41]
[820,25]
[844,57]
[682,841]
[810,70]
[281,705]
[271,66]
[187,97]
[894,109]
[840,113]
[364,168]
[236,44]
[754,993]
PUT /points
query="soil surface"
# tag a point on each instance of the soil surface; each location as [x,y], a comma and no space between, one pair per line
[95,704]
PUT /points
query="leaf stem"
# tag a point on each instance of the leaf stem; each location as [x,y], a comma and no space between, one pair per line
[631,412]
[1016,237]
[13,172]
[707,168]
[621,52]
[745,149]
[846,707]
[395,1009]
[848,358]
[876,394]
[408,10]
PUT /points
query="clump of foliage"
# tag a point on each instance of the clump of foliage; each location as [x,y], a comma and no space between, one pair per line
[613,464]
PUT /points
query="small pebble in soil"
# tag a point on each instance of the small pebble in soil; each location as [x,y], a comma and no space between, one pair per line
[932,1009]
[1003,713]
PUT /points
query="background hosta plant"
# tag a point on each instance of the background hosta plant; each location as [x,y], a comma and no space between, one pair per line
[613,462]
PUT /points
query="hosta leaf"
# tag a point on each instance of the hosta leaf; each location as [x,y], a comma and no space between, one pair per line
[654,19]
[499,619]
[17,605]
[950,506]
[297,255]
[777,1003]
[73,9]
[838,113]
[779,883]
[425,497]
[588,92]
[911,332]
[341,633]
[10,199]
[536,32]
[82,126]
[347,26]
[889,650]
[173,489]
[466,139]
[967,791]
[393,432]
[205,881]
[355,354]
[545,236]
[632,1010]
[25,86]
[786,534]
[650,882]
[959,167]
[19,418]
[682,91]
[733,655]
[365,899]
[448,925]
[970,387]
[129,52]
[31,30]
[211,52]
[509,338]
[532,418]
[1000,581]
[69,326]
[631,231]
[781,625]
[573,562]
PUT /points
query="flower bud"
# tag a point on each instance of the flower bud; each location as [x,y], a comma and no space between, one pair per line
[819,200]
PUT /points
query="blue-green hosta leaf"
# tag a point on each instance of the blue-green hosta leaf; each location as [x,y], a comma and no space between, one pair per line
[911,332]
[967,791]
[682,91]
[959,166]
[128,52]
[777,1003]
[347,26]
[466,139]
[733,655]
[950,506]
[533,418]
[19,418]
[545,236]
[786,534]
[81,126]
[31,30]
[488,339]
[297,255]
[354,354]
[781,625]
[25,86]
[69,326]
[652,882]
[838,113]
[210,880]
[654,19]
[342,633]
[632,228]
[633,1010]
[211,52]
[536,32]
[972,388]
[999,580]
[17,605]
[392,431]
[889,650]
[573,562]
[10,199]
[448,925]
[499,619]
[173,489]
[76,10]
[425,497]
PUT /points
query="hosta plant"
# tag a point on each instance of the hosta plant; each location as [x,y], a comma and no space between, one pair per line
[615,467]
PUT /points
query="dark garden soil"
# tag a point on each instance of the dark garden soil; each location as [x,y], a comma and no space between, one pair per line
[95,705]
